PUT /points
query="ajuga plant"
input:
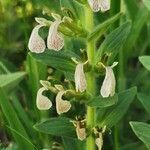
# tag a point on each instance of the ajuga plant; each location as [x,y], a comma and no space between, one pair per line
[81,77]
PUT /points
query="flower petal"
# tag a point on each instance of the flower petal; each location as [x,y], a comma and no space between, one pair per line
[105,5]
[62,106]
[55,40]
[42,102]
[95,5]
[99,141]
[80,80]
[109,83]
[36,43]
[81,133]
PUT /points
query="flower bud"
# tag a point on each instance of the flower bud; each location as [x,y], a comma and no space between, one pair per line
[62,106]
[109,83]
[80,80]
[36,43]
[55,40]
[42,102]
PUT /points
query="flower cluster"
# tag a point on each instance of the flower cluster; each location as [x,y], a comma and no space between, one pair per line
[55,40]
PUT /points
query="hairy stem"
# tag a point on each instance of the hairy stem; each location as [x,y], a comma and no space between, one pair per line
[90,144]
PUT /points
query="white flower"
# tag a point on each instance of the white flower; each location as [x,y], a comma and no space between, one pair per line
[55,40]
[109,83]
[42,102]
[97,5]
[80,80]
[36,43]
[62,106]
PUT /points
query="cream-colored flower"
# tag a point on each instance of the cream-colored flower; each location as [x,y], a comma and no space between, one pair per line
[105,5]
[42,102]
[109,83]
[97,5]
[81,133]
[62,106]
[99,141]
[80,129]
[80,80]
[36,43]
[55,40]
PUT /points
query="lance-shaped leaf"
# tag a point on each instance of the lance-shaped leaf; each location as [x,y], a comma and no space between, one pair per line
[101,29]
[115,113]
[14,121]
[145,100]
[136,28]
[57,126]
[142,131]
[147,4]
[59,60]
[9,81]
[72,9]
[101,102]
[114,41]
[145,60]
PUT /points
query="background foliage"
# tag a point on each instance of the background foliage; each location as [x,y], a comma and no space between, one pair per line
[130,44]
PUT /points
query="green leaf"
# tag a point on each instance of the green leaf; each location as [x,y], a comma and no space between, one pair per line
[132,8]
[14,121]
[73,144]
[57,126]
[115,113]
[60,60]
[3,68]
[21,136]
[145,100]
[103,102]
[36,71]
[114,41]
[142,131]
[9,81]
[136,28]
[147,4]
[53,5]
[145,60]
[74,7]
[100,29]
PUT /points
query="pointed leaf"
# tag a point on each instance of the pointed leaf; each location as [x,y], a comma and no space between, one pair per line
[115,113]
[9,81]
[145,60]
[100,29]
[142,131]
[57,126]
[103,102]
[145,100]
[60,60]
[114,41]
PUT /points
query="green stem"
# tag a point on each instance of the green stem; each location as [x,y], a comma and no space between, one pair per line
[91,81]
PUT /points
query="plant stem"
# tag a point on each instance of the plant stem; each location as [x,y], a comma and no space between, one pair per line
[91,88]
